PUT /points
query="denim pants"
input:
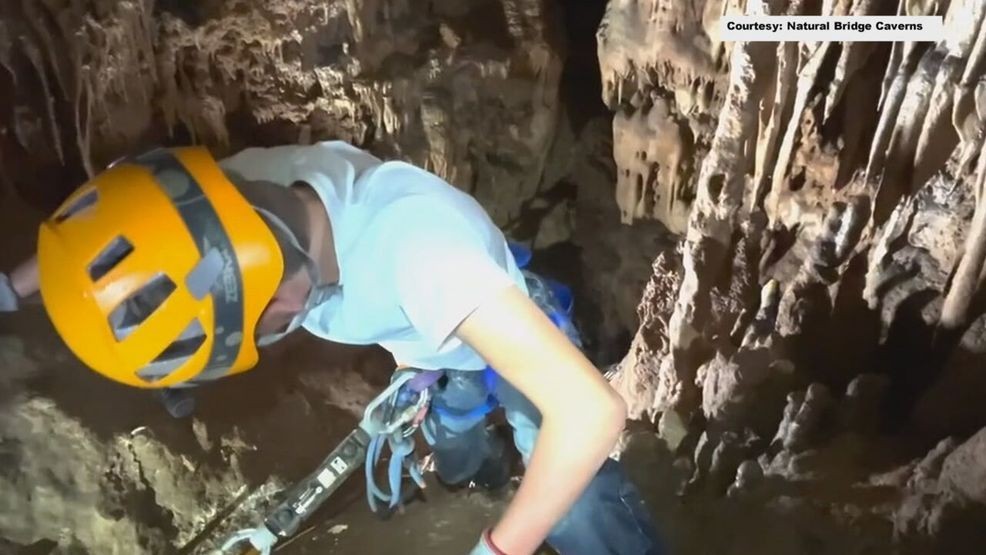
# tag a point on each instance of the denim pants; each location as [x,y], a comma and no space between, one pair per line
[610,517]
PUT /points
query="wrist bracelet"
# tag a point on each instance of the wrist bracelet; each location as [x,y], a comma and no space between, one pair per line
[488,538]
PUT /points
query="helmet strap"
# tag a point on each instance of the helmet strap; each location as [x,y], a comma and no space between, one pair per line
[318,293]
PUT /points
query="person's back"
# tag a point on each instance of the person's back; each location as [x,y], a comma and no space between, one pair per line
[414,252]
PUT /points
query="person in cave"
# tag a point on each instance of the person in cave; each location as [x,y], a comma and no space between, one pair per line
[170,269]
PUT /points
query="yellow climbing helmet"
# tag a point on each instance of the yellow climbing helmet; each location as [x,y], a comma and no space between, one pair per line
[156,271]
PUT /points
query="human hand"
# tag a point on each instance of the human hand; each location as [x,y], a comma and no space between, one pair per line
[8,297]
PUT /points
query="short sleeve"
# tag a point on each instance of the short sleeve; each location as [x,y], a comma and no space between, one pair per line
[444,271]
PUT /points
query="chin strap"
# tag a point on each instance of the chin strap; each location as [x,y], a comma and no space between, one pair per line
[9,301]
[319,293]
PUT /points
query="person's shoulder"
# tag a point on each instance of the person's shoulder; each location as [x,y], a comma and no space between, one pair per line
[359,158]
[407,200]
[263,163]
[295,153]
[416,210]
[415,224]
[254,153]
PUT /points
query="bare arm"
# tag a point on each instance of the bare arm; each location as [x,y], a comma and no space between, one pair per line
[582,416]
[24,278]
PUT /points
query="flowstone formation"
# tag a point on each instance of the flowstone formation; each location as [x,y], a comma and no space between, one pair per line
[811,353]
[467,90]
[664,76]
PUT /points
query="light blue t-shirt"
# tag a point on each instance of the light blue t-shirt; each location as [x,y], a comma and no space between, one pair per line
[416,255]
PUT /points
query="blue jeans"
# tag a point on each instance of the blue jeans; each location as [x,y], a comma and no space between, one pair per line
[610,517]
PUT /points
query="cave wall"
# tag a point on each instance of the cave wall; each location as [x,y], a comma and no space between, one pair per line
[664,74]
[468,90]
[806,357]
[821,317]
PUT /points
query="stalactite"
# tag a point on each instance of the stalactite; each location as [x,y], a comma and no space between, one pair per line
[83,116]
[779,117]
[964,114]
[903,60]
[807,75]
[41,70]
[632,74]
[969,274]
[914,108]
[52,54]
[778,110]
[852,57]
[962,23]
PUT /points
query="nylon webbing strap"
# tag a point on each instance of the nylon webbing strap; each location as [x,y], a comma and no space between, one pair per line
[203,223]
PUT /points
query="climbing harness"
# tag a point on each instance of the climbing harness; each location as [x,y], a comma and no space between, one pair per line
[410,404]
[390,421]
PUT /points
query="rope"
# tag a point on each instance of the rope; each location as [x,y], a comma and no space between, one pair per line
[397,436]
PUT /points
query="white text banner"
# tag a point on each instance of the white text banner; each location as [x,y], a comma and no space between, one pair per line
[869,28]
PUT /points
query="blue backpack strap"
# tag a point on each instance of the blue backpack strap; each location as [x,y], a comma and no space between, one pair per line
[490,378]
[522,255]
[464,418]
[563,294]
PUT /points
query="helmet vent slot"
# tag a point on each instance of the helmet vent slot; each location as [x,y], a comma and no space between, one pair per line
[132,312]
[175,354]
[109,258]
[78,206]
